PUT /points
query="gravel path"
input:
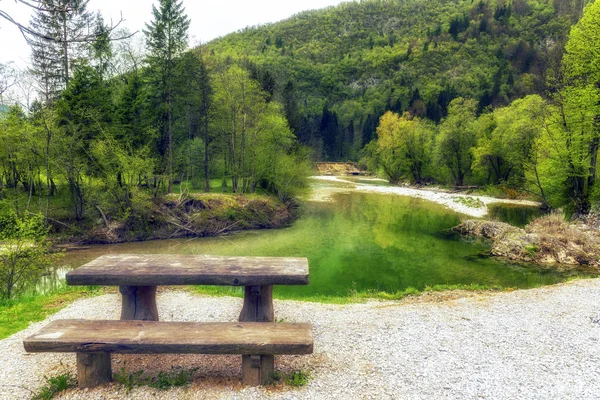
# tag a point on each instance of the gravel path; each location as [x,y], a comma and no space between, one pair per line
[462,203]
[532,344]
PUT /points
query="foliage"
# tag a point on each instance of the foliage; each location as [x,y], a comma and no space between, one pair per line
[403,147]
[577,129]
[468,201]
[24,254]
[457,138]
[166,38]
[61,23]
[55,385]
[339,69]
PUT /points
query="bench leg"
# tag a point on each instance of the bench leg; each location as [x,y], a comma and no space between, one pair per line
[139,303]
[257,369]
[258,304]
[93,369]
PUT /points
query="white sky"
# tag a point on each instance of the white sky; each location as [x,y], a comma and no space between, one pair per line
[209,19]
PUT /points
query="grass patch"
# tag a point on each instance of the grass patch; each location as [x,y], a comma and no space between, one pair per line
[17,314]
[55,385]
[172,378]
[353,296]
[470,202]
[175,377]
[297,378]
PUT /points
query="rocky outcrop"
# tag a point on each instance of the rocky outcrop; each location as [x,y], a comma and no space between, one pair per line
[548,241]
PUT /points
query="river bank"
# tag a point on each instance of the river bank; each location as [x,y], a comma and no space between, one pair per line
[549,241]
[192,215]
[471,205]
[536,344]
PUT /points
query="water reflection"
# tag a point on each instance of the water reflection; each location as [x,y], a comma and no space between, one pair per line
[359,241]
[514,214]
[52,279]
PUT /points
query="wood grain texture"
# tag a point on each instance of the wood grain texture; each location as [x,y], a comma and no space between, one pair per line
[93,369]
[153,337]
[139,303]
[258,304]
[171,269]
[257,369]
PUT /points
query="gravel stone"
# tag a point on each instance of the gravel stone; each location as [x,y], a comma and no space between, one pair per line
[454,201]
[536,344]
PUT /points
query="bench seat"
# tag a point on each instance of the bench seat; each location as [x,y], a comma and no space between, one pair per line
[94,340]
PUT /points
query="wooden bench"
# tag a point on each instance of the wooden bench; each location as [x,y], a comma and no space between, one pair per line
[94,341]
[138,275]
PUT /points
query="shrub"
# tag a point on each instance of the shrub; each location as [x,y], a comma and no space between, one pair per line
[24,255]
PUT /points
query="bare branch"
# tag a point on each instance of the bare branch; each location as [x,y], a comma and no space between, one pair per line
[29,33]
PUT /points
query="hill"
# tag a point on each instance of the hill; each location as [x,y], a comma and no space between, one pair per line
[337,70]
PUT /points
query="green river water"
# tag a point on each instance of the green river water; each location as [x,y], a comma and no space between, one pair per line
[356,242]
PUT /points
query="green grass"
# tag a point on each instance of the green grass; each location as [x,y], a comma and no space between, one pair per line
[17,314]
[470,202]
[175,377]
[55,385]
[297,378]
[353,295]
[172,378]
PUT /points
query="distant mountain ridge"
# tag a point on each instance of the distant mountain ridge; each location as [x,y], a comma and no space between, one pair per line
[337,70]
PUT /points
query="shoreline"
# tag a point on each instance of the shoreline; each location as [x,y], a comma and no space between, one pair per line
[471,205]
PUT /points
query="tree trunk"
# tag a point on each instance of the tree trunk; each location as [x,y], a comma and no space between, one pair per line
[170,144]
[206,176]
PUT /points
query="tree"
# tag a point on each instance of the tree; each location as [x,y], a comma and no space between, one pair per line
[239,103]
[65,27]
[508,137]
[458,136]
[194,107]
[579,109]
[166,39]
[84,113]
[403,147]
[24,255]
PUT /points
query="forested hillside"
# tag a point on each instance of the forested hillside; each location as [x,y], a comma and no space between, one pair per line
[337,70]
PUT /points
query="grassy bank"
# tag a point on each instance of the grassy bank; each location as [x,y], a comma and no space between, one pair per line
[17,314]
[353,295]
[144,214]
[191,215]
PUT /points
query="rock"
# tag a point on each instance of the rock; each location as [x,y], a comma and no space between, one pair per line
[486,229]
[546,241]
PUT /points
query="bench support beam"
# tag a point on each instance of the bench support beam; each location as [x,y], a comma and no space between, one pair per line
[93,369]
[258,304]
[139,303]
[257,369]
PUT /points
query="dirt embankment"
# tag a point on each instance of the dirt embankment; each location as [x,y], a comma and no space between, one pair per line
[339,168]
[548,241]
[192,216]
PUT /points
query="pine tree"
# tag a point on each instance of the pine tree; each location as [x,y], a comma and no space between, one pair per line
[64,24]
[166,40]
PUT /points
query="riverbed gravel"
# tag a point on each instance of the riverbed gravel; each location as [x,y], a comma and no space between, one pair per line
[471,205]
[541,343]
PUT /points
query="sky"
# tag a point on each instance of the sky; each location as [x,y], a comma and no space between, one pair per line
[209,19]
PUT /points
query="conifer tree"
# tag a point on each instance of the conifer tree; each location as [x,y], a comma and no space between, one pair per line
[166,40]
[65,26]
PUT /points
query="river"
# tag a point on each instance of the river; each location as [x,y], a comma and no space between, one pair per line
[356,242]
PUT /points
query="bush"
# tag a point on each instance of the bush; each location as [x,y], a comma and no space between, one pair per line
[24,255]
